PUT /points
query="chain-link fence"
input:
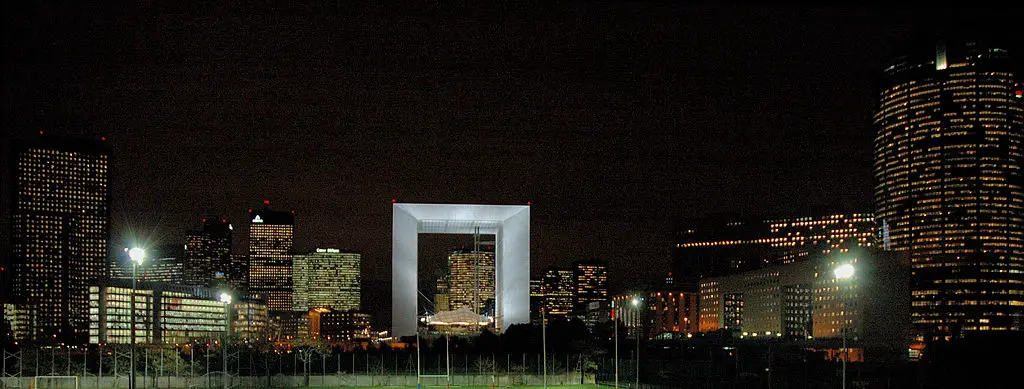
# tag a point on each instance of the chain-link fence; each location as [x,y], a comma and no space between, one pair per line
[247,365]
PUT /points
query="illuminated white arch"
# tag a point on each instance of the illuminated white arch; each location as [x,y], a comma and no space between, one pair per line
[510,224]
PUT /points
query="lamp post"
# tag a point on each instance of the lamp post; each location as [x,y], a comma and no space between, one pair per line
[137,255]
[843,272]
[544,344]
[615,325]
[639,325]
[418,374]
[226,299]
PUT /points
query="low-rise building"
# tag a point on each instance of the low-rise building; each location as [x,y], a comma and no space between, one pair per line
[168,314]
[806,300]
[344,325]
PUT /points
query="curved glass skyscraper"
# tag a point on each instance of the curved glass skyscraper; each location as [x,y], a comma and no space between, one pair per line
[948,184]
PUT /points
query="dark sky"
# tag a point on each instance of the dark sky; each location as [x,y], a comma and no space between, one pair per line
[612,119]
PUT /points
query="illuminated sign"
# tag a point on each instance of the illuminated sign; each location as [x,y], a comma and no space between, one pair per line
[257,219]
[328,250]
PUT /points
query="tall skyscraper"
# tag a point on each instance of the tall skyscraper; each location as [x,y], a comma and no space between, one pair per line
[591,279]
[208,252]
[471,280]
[948,183]
[59,226]
[238,272]
[559,291]
[270,257]
[326,278]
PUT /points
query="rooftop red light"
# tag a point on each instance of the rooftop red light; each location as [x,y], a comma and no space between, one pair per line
[266,202]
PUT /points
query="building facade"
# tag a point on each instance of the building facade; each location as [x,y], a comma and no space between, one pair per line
[755,301]
[344,325]
[948,157]
[162,264]
[208,252]
[726,245]
[673,312]
[471,280]
[441,295]
[591,279]
[559,291]
[270,257]
[326,278]
[168,314]
[630,310]
[804,300]
[238,273]
[59,228]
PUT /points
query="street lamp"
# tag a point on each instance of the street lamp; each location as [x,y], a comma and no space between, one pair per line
[844,272]
[226,299]
[636,307]
[137,255]
[615,325]
[544,343]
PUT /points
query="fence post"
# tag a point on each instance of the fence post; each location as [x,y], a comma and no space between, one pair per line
[100,376]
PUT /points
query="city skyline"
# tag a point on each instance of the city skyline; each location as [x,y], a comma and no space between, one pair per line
[746,146]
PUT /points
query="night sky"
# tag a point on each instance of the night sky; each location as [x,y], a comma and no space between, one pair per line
[612,120]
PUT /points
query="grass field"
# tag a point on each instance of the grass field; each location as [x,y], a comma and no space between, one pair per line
[442,386]
[470,387]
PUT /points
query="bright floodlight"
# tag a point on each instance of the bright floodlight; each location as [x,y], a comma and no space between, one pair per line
[136,254]
[636,302]
[225,298]
[844,271]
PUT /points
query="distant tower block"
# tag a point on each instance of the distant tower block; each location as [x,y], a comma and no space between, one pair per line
[510,224]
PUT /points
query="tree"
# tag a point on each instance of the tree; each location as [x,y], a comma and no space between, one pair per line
[306,349]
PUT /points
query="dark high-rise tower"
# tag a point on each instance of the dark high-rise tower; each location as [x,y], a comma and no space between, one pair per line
[59,226]
[208,252]
[559,291]
[591,279]
[948,157]
[270,256]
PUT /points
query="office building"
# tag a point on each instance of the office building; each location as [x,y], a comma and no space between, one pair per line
[471,280]
[162,264]
[630,310]
[804,300]
[726,245]
[168,314]
[591,280]
[559,291]
[270,257]
[948,157]
[208,252]
[659,313]
[755,301]
[238,273]
[441,296]
[344,325]
[672,312]
[59,230]
[326,278]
